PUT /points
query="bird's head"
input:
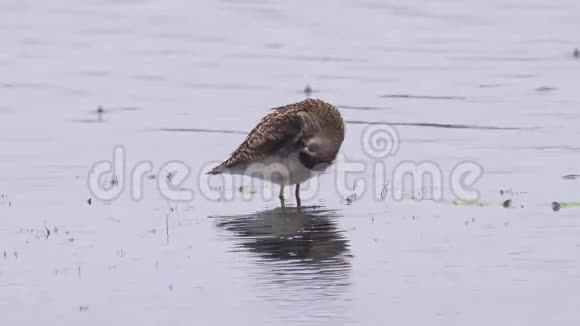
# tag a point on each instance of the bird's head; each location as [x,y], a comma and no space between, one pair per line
[318,152]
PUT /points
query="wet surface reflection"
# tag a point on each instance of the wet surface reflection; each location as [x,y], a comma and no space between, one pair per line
[305,244]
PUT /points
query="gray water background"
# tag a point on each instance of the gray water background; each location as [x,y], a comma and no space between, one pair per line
[157,67]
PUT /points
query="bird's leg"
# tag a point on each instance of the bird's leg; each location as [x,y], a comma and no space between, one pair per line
[281,196]
[298,203]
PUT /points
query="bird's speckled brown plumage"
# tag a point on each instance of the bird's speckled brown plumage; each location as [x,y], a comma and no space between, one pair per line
[287,129]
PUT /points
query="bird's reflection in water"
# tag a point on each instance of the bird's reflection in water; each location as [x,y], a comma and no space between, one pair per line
[302,246]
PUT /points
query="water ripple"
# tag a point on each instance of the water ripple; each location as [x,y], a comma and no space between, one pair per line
[433,125]
[203,130]
[424,97]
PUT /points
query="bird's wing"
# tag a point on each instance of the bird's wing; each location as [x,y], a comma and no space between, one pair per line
[281,131]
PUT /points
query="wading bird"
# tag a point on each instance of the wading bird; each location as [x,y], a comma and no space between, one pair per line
[290,145]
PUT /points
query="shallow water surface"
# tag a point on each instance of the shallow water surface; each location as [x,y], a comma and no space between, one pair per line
[488,82]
